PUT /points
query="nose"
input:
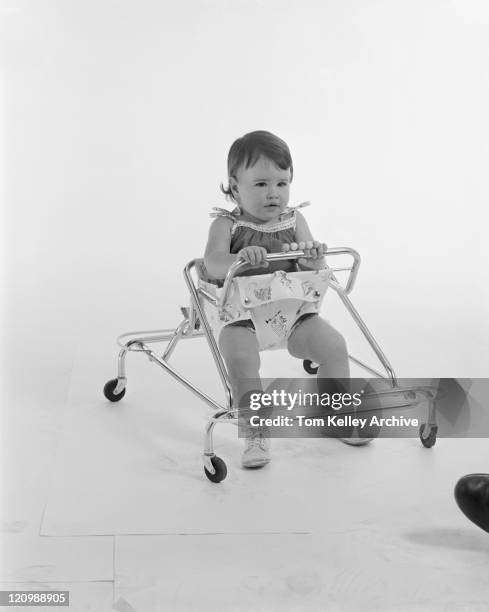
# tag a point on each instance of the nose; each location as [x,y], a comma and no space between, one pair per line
[272,192]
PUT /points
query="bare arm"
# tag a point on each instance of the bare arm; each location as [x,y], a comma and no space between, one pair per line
[217,258]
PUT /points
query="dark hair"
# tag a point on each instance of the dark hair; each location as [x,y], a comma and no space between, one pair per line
[248,149]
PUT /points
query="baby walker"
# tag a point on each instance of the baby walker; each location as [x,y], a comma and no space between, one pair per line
[255,297]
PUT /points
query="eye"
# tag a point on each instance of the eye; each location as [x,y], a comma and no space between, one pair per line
[283,184]
[260,184]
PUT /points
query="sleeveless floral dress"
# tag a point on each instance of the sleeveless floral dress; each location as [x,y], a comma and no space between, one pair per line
[275,321]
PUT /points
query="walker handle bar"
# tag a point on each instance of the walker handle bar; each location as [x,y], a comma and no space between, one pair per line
[353,269]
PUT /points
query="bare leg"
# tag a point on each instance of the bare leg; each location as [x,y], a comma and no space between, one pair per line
[240,350]
[315,339]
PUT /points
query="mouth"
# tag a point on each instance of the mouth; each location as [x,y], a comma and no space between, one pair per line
[272,205]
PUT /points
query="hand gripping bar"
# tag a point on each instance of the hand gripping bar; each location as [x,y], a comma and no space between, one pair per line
[353,269]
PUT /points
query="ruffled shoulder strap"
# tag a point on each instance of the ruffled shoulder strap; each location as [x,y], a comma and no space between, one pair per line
[290,210]
[301,205]
[222,212]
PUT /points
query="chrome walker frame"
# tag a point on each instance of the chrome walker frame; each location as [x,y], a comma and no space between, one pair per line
[195,324]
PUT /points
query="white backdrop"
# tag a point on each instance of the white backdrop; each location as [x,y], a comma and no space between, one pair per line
[118,116]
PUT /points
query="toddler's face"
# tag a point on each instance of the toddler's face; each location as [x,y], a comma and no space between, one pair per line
[262,191]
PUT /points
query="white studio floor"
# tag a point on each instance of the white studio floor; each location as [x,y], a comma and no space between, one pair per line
[109,501]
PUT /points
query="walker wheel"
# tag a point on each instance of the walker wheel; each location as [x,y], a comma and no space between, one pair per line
[431,439]
[109,391]
[309,368]
[220,467]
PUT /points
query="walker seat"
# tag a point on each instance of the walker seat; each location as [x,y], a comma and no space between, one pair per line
[273,302]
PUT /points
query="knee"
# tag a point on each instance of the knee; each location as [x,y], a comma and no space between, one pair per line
[241,359]
[241,362]
[327,345]
[337,342]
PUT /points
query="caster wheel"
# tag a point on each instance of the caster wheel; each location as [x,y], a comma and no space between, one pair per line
[431,439]
[221,470]
[309,368]
[109,391]
[472,497]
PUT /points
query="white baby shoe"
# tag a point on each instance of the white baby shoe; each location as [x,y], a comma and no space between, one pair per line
[257,450]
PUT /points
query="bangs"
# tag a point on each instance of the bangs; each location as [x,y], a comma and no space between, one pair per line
[278,157]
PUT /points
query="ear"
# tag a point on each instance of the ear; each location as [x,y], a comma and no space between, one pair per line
[233,184]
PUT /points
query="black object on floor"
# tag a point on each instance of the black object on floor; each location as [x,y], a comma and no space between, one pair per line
[472,496]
